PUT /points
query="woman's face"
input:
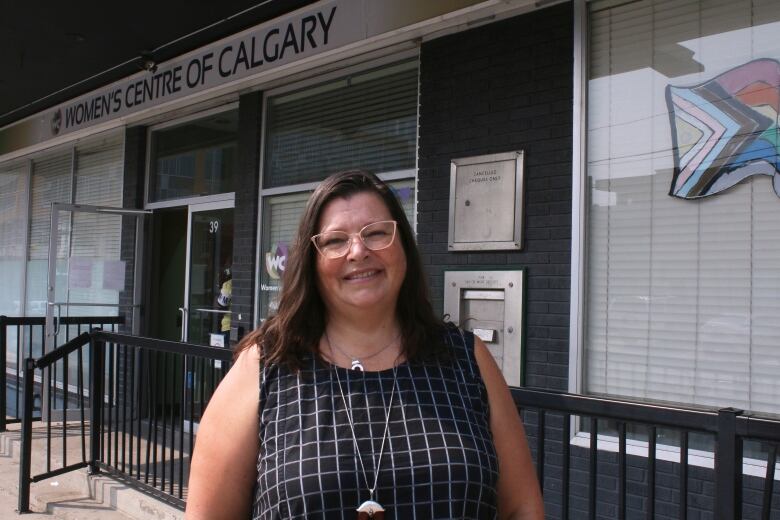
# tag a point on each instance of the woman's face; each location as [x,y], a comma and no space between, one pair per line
[362,280]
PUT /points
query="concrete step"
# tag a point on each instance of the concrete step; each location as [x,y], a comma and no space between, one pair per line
[74,495]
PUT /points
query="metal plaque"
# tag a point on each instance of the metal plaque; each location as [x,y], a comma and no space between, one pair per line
[490,304]
[486,202]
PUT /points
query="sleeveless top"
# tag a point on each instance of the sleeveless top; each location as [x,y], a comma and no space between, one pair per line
[439,460]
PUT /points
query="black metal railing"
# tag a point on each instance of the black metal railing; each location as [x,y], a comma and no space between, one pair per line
[604,472]
[595,457]
[144,402]
[45,364]
[22,337]
[155,393]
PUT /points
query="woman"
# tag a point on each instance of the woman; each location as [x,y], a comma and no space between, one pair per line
[369,406]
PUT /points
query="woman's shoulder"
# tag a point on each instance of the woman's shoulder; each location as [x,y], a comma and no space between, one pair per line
[460,345]
[457,337]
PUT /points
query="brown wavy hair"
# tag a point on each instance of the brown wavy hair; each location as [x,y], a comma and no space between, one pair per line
[295,330]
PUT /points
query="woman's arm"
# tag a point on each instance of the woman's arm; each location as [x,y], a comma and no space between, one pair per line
[223,471]
[519,497]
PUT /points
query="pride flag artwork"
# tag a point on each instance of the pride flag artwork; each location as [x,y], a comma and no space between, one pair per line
[726,130]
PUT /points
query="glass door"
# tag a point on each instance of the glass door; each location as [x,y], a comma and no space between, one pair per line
[208,293]
[209,281]
[209,286]
[191,276]
[86,279]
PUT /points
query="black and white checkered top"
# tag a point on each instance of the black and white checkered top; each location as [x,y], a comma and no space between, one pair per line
[439,459]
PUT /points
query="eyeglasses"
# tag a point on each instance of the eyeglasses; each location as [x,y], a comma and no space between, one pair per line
[375,236]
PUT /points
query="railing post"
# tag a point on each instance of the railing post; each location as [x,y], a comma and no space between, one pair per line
[95,400]
[728,466]
[3,346]
[26,451]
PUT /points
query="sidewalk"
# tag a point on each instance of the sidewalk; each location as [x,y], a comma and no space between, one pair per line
[74,495]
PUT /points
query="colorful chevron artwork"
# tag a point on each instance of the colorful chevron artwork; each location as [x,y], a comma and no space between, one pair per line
[726,130]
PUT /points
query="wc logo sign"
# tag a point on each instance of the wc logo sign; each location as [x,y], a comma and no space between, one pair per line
[275,261]
[56,122]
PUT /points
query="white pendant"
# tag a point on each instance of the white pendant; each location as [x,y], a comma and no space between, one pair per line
[357,365]
[371,509]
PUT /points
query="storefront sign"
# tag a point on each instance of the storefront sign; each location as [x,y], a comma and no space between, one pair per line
[486,202]
[266,47]
[326,26]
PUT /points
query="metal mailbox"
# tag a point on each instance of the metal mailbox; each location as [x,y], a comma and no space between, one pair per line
[490,304]
[486,202]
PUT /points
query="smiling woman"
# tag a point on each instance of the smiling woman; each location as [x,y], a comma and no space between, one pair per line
[363,278]
[367,404]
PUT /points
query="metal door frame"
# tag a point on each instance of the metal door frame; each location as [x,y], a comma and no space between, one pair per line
[191,209]
[52,326]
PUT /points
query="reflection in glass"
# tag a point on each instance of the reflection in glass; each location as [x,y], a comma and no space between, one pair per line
[682,294]
[195,158]
[365,120]
[210,283]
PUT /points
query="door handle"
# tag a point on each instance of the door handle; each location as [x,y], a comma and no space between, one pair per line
[57,318]
[183,311]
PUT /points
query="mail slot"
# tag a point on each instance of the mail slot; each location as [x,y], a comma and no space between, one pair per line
[489,304]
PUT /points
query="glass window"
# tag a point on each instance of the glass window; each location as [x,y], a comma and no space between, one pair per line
[51,182]
[95,239]
[280,222]
[683,217]
[13,232]
[366,120]
[194,158]
[90,174]
[281,215]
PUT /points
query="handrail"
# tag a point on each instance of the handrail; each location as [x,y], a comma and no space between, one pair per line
[26,326]
[762,428]
[175,347]
[67,320]
[62,351]
[609,408]
[108,397]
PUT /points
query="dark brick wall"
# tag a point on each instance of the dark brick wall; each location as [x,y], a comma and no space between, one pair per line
[503,87]
[508,86]
[700,497]
[245,230]
[132,198]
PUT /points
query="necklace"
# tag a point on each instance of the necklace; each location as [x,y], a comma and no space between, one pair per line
[369,509]
[357,364]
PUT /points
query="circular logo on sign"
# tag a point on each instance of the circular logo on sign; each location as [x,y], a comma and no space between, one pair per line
[56,122]
[275,261]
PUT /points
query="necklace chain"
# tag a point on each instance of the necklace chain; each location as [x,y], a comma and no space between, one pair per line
[377,463]
[357,361]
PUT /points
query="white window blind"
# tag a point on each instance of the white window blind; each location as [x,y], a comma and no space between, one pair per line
[51,182]
[13,230]
[90,173]
[98,183]
[96,237]
[682,295]
[366,120]
[281,215]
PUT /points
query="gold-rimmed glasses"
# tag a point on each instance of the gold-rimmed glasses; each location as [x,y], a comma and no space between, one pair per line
[375,236]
